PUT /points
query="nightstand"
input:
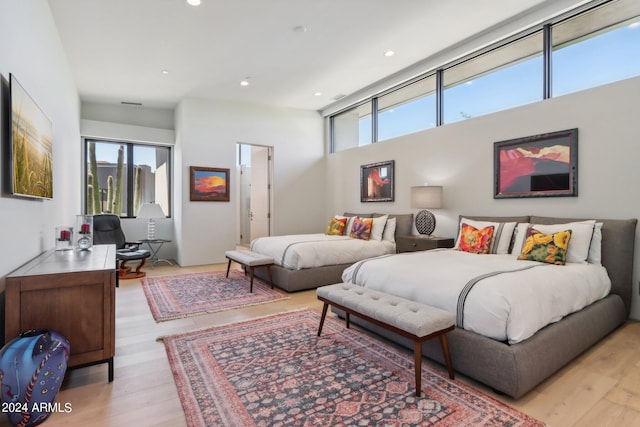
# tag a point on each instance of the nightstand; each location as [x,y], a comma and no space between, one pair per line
[413,243]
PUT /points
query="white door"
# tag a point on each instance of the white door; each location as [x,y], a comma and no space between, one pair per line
[259,213]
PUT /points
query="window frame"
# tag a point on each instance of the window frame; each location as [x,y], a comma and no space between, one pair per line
[400,92]
[354,107]
[485,55]
[562,35]
[129,171]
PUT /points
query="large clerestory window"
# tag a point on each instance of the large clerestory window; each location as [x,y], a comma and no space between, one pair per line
[599,43]
[352,128]
[411,108]
[597,47]
[122,176]
[502,78]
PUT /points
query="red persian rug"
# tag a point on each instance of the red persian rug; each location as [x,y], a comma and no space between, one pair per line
[275,371]
[174,297]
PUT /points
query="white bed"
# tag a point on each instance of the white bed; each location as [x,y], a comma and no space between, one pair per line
[300,251]
[497,296]
[515,368]
[306,261]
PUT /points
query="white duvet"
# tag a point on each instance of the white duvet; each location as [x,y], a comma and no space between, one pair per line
[300,251]
[510,306]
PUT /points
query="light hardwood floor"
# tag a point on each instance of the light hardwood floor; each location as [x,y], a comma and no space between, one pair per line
[600,388]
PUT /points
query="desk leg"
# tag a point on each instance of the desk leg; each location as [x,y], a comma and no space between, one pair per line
[110,362]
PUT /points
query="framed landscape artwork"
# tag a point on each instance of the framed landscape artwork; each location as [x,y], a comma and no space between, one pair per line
[376,182]
[537,166]
[30,147]
[208,184]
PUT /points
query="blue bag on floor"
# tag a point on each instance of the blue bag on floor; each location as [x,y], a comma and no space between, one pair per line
[32,367]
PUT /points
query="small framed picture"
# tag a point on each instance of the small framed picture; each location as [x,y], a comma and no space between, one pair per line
[208,184]
[376,182]
[537,166]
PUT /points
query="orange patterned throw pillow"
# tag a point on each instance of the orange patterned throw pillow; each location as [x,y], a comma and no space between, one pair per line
[361,228]
[336,226]
[549,248]
[476,241]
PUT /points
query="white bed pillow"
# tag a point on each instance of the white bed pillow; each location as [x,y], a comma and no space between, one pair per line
[389,233]
[502,234]
[595,249]
[377,228]
[518,237]
[581,235]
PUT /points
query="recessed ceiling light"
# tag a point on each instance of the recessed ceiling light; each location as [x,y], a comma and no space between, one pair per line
[299,29]
[165,72]
[194,2]
[317,94]
[389,53]
[244,82]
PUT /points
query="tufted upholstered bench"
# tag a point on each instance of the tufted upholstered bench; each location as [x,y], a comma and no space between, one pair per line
[250,260]
[418,322]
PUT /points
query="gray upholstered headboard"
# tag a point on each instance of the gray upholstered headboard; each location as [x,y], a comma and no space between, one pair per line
[618,242]
[404,222]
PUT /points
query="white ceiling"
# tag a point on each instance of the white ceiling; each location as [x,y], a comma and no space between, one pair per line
[117,49]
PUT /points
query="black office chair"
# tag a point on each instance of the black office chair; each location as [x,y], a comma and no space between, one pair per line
[107,230]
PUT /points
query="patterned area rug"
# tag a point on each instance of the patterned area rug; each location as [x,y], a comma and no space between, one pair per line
[174,297]
[275,371]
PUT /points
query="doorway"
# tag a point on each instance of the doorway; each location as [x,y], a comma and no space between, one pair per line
[254,175]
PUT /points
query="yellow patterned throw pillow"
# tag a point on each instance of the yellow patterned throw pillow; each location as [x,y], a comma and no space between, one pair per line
[361,228]
[549,248]
[476,241]
[336,226]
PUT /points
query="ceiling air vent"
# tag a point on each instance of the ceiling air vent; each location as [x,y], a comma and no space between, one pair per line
[338,97]
[134,104]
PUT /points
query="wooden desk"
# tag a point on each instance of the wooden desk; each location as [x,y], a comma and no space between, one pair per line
[72,292]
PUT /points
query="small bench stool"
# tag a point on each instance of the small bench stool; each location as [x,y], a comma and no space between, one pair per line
[250,260]
[418,322]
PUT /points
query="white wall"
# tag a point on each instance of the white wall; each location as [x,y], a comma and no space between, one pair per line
[159,118]
[32,51]
[207,133]
[125,132]
[459,157]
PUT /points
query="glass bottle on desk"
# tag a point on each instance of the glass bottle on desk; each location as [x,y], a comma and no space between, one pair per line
[84,227]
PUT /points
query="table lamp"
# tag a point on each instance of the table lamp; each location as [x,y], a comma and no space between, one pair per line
[426,197]
[151,211]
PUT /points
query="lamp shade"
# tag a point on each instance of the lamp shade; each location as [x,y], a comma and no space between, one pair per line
[151,210]
[426,197]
